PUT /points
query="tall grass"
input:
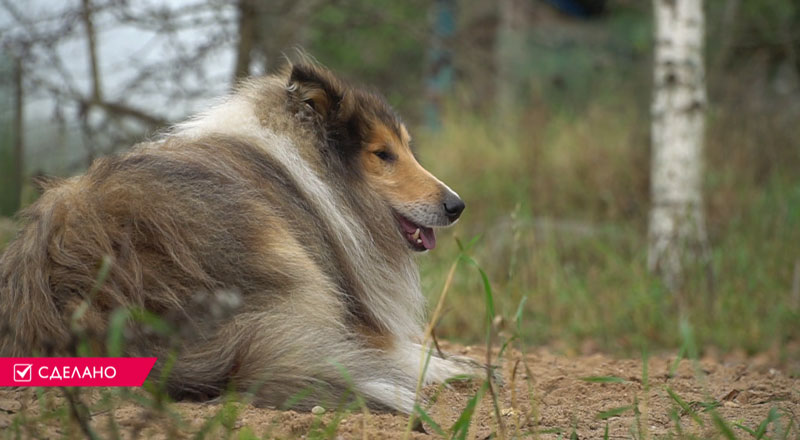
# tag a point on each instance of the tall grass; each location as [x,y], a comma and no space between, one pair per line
[561,204]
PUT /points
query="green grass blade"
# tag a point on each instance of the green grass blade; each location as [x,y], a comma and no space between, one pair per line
[722,425]
[762,428]
[102,274]
[459,378]
[518,315]
[297,397]
[687,334]
[603,379]
[460,428]
[708,406]
[506,344]
[153,321]
[681,354]
[645,372]
[464,248]
[605,415]
[745,429]
[116,332]
[789,429]
[673,414]
[487,289]
[427,419]
[246,434]
[684,406]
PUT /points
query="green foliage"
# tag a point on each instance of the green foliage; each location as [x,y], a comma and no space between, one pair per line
[380,42]
[10,191]
[768,23]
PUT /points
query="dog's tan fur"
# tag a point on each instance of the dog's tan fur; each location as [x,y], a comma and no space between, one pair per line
[282,199]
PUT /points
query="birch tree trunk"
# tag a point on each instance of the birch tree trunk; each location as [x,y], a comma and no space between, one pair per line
[677,227]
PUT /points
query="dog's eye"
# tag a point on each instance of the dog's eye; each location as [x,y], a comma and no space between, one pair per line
[384,155]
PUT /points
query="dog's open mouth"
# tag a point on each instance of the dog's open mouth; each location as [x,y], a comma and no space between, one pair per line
[420,238]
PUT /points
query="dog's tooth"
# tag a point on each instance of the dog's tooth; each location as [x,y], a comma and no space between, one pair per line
[416,235]
[419,241]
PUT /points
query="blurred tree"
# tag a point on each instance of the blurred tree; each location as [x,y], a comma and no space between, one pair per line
[71,53]
[12,147]
[507,42]
[378,42]
[267,30]
[248,11]
[677,226]
[772,26]
[440,60]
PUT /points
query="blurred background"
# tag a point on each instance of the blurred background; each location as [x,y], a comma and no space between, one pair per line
[536,111]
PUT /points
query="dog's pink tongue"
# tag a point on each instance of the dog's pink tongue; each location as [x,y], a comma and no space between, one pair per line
[428,237]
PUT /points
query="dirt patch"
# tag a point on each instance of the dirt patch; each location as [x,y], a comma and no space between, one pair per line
[544,394]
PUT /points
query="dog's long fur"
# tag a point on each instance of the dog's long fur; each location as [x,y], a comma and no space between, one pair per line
[273,197]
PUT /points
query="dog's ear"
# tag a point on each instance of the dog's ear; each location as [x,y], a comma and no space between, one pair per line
[317,88]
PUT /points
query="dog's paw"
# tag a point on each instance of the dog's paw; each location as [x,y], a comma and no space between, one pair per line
[462,367]
[385,394]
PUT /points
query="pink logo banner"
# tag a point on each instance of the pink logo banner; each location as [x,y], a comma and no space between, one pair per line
[75,372]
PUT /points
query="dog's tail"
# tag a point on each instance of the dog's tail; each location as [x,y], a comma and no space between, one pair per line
[28,312]
[42,269]
[50,269]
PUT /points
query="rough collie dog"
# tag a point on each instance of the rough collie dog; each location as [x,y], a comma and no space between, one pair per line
[299,197]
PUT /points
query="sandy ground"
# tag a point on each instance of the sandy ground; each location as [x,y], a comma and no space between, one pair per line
[551,399]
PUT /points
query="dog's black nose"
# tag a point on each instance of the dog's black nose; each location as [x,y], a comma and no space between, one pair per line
[453,207]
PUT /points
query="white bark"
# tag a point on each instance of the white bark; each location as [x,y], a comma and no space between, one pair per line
[677,227]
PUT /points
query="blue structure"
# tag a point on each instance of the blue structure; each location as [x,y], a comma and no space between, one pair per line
[579,8]
[440,61]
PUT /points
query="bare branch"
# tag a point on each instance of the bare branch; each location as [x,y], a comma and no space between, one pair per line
[86,14]
[119,109]
[115,108]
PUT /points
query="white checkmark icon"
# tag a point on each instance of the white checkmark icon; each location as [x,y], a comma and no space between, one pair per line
[23,372]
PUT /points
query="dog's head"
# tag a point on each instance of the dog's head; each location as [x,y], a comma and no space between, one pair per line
[365,132]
